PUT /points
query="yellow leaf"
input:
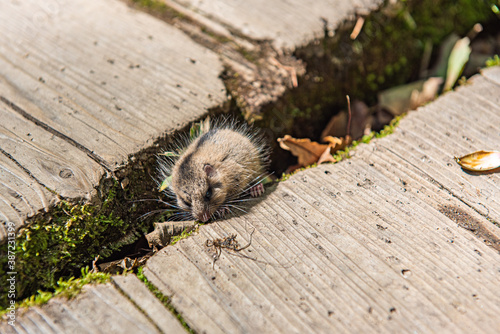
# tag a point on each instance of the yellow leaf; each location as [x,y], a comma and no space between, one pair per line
[480,161]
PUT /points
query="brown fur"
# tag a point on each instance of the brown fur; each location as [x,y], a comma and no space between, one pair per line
[223,161]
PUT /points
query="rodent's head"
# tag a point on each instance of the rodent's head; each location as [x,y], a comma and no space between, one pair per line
[199,189]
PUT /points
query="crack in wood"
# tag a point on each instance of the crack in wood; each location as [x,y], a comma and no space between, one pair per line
[56,133]
[24,169]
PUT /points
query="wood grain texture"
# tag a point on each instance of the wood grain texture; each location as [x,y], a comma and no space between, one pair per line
[392,240]
[83,86]
[288,24]
[20,195]
[461,123]
[35,165]
[107,76]
[137,292]
[99,309]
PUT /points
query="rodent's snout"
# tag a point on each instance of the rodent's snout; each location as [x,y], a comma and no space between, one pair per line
[204,216]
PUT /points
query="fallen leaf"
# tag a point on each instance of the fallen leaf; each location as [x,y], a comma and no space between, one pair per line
[441,64]
[306,151]
[360,123]
[326,156]
[480,161]
[458,58]
[309,152]
[427,94]
[407,97]
[382,118]
[336,143]
[337,126]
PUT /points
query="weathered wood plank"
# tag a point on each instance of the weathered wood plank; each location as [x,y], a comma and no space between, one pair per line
[136,291]
[113,77]
[20,195]
[83,86]
[383,242]
[460,124]
[492,74]
[287,24]
[99,309]
[35,165]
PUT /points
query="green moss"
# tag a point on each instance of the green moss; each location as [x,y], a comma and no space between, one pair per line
[159,8]
[58,244]
[162,298]
[63,288]
[248,55]
[186,233]
[495,61]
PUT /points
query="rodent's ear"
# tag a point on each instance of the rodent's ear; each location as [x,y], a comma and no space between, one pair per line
[209,170]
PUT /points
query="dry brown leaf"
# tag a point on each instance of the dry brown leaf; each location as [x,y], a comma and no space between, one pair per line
[336,143]
[480,161]
[306,151]
[309,152]
[326,156]
[336,126]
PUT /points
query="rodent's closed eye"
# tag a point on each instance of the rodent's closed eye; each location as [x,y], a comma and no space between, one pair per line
[208,194]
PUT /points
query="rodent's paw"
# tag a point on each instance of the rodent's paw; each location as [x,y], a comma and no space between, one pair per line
[257,190]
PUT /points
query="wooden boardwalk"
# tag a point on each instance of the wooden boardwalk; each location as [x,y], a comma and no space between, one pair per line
[396,239]
[76,103]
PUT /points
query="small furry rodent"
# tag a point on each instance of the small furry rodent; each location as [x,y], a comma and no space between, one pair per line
[209,175]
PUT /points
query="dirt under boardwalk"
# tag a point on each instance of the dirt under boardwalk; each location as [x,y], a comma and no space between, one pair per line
[396,239]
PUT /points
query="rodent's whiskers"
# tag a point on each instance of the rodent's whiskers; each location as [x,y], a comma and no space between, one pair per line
[190,161]
[156,200]
[251,184]
[144,216]
[229,206]
[239,200]
[181,215]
